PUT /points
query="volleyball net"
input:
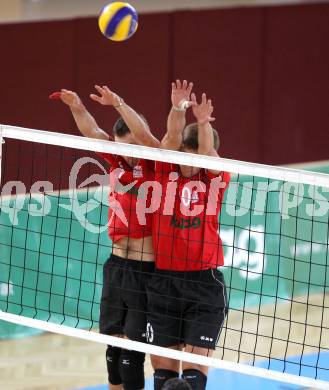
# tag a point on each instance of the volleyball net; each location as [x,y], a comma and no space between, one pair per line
[273,226]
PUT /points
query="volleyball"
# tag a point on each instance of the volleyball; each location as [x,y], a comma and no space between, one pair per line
[118,21]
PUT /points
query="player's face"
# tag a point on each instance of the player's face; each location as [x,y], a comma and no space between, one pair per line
[187,170]
[128,139]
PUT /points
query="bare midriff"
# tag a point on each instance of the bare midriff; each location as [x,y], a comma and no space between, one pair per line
[134,248]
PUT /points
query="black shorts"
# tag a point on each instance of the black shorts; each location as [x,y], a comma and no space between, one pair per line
[124,301]
[186,308]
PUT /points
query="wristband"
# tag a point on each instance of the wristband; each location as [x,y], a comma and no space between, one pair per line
[183,105]
[120,104]
[178,109]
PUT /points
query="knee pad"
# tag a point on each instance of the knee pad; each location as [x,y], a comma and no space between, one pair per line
[112,362]
[132,369]
[161,376]
[195,378]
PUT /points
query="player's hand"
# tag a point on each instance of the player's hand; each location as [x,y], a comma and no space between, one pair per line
[202,111]
[180,92]
[68,97]
[106,97]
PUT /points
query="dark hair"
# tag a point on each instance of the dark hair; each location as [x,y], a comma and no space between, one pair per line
[120,129]
[190,137]
[176,384]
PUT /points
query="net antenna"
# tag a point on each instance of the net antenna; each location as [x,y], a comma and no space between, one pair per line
[28,312]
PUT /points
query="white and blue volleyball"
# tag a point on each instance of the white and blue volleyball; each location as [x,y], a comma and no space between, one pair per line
[118,21]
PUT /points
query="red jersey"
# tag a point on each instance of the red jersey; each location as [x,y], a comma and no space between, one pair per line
[123,219]
[185,227]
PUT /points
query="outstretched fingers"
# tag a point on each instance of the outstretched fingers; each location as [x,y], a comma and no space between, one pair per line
[204,99]
[102,91]
[210,111]
[189,88]
[99,89]
[107,89]
[193,101]
[96,98]
[184,85]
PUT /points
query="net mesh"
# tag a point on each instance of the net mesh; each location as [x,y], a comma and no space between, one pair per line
[54,242]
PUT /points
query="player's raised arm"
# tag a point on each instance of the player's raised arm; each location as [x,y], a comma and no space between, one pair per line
[202,113]
[180,99]
[136,124]
[84,120]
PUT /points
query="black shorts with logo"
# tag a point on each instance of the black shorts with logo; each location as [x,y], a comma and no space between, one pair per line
[124,302]
[186,308]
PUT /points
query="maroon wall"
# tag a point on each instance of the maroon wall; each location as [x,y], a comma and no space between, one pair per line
[295,124]
[223,57]
[266,69]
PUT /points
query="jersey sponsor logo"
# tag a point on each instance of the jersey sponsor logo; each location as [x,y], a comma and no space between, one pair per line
[185,223]
[137,171]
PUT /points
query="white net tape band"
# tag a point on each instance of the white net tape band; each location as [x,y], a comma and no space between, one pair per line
[160,351]
[233,166]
